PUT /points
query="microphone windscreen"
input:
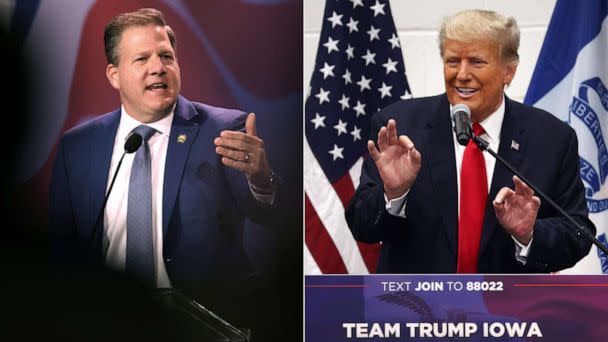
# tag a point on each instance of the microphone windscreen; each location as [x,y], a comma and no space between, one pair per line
[461,118]
[133,142]
[461,107]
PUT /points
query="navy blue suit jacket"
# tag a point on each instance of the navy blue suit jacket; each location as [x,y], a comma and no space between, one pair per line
[426,241]
[204,202]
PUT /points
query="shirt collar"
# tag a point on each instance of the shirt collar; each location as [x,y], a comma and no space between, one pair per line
[128,123]
[493,123]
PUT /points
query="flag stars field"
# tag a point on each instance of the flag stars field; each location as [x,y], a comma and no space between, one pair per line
[336,152]
[344,102]
[378,8]
[390,65]
[323,96]
[331,45]
[356,133]
[369,57]
[385,90]
[373,33]
[341,127]
[327,70]
[364,83]
[335,19]
[319,121]
[394,40]
[352,26]
[346,77]
[350,52]
[356,3]
[359,108]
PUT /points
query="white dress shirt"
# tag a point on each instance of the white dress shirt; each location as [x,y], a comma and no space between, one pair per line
[115,216]
[114,240]
[492,126]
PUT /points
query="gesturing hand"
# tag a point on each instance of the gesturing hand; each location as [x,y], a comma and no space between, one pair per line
[516,211]
[245,152]
[397,160]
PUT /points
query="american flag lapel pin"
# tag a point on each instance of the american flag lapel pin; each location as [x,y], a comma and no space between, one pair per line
[514,145]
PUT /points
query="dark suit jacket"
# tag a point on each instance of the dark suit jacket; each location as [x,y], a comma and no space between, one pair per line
[426,240]
[204,203]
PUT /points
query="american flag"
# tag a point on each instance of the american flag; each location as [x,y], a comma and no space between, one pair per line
[358,70]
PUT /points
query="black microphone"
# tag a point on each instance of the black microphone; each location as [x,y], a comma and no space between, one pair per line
[581,229]
[461,117]
[131,145]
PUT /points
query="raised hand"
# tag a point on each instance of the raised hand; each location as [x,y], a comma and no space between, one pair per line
[516,211]
[397,160]
[245,152]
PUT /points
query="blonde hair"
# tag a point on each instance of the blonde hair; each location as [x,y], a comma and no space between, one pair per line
[476,24]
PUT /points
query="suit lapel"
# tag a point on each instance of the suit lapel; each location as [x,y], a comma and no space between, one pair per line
[442,166]
[101,157]
[183,133]
[511,131]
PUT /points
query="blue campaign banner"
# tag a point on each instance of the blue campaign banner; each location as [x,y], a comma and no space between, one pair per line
[456,307]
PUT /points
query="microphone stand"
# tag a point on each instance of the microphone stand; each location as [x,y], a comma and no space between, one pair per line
[581,231]
[133,143]
[105,200]
[91,243]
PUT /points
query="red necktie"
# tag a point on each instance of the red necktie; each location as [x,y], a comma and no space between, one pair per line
[473,197]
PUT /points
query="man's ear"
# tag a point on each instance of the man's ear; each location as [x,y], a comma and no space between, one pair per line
[112,75]
[510,70]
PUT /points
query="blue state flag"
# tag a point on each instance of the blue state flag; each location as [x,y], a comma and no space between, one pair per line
[570,82]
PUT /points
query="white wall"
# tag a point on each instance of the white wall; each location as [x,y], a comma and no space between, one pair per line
[417,23]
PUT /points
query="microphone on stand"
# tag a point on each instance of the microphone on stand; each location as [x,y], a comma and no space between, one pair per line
[461,116]
[133,142]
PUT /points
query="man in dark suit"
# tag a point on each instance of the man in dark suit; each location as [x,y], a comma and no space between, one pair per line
[438,207]
[206,170]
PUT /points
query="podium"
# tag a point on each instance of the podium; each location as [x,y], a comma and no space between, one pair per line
[197,321]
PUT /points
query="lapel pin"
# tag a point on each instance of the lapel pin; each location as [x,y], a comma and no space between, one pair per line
[182,138]
[514,145]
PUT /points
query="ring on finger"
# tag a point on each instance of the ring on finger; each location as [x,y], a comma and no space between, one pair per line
[246,157]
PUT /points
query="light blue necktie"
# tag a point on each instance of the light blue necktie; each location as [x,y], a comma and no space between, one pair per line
[140,248]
